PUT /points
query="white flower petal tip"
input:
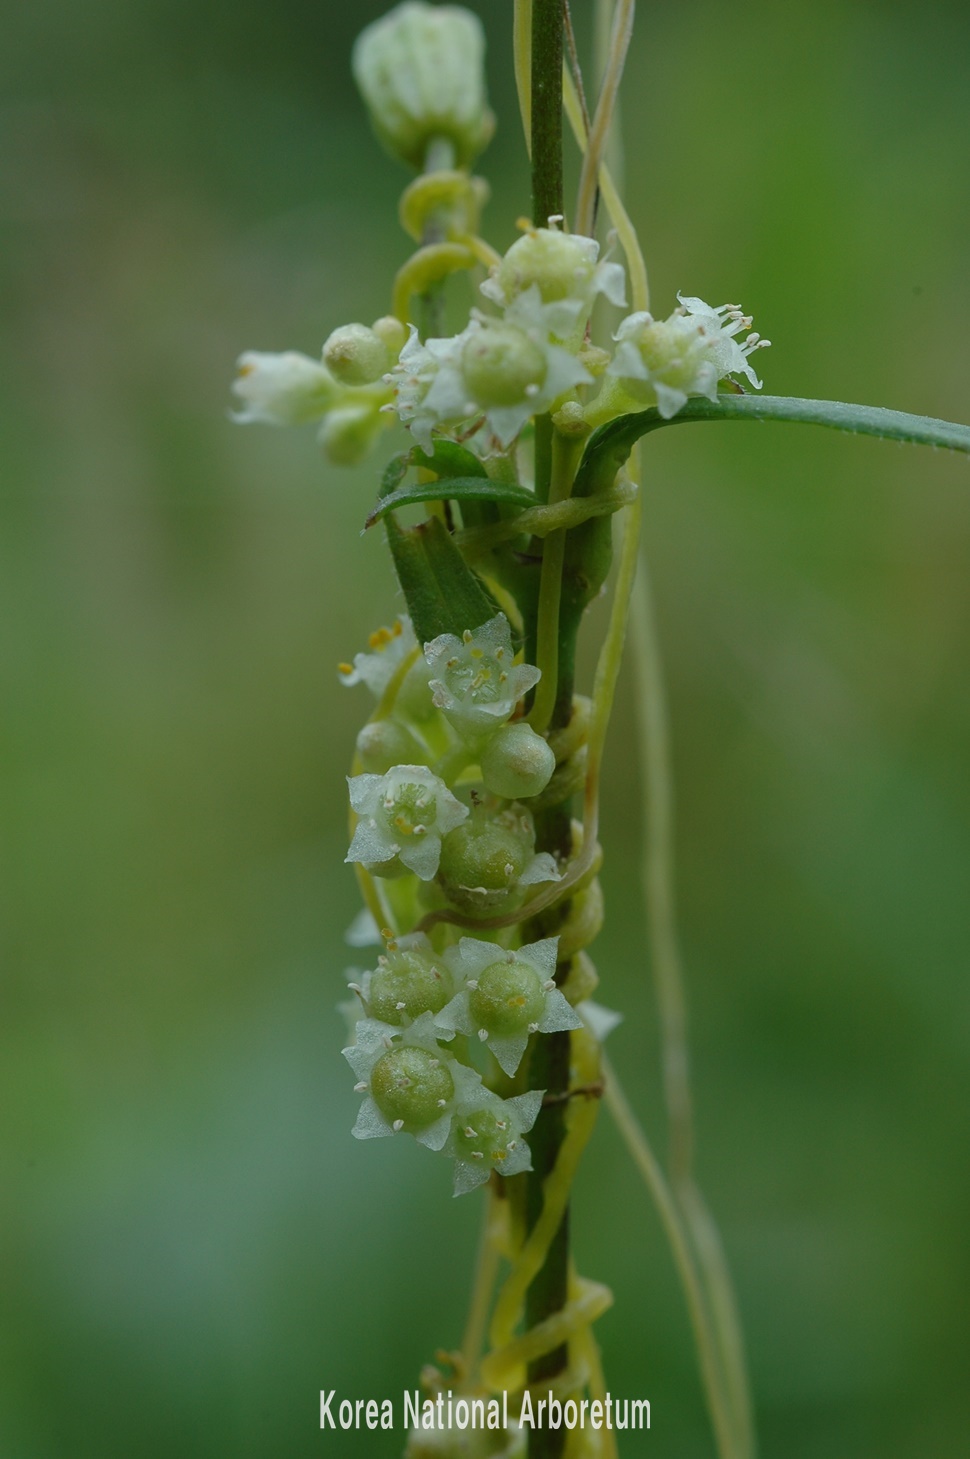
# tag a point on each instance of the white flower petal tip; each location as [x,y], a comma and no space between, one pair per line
[599,1020]
[363,931]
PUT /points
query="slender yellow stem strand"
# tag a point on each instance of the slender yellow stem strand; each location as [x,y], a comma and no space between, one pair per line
[603,116]
[607,674]
[572,55]
[540,521]
[672,1219]
[657,871]
[724,1310]
[486,1271]
[533,1252]
[522,65]
[620,218]
[659,899]
[658,876]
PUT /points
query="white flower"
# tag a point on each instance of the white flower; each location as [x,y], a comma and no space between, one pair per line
[428,387]
[487,1134]
[506,996]
[283,390]
[505,370]
[403,816]
[389,647]
[564,269]
[408,1081]
[474,679]
[686,354]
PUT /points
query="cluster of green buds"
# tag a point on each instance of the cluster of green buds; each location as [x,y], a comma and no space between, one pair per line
[449,827]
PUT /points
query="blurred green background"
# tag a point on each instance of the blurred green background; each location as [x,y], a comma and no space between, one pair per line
[191,1244]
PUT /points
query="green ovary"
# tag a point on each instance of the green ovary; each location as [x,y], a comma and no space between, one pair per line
[484,1136]
[500,364]
[509,998]
[483,854]
[412,811]
[409,980]
[411,1085]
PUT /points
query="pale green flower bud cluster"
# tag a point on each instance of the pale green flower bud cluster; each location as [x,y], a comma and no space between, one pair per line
[450,827]
[345,390]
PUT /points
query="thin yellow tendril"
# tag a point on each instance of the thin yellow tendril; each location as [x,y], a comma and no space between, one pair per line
[620,35]
[429,265]
[522,65]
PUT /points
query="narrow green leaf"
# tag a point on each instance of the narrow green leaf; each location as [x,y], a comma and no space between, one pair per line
[394,473]
[442,593]
[459,489]
[448,459]
[609,447]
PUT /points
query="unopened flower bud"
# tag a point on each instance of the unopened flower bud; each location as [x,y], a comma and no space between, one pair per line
[414,698]
[282,389]
[385,742]
[482,860]
[490,859]
[392,332]
[517,763]
[348,432]
[356,355]
[420,71]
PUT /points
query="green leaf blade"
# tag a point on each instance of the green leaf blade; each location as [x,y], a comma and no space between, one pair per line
[609,447]
[442,593]
[457,489]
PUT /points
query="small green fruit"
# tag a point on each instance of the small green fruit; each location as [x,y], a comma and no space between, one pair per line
[411,1087]
[509,997]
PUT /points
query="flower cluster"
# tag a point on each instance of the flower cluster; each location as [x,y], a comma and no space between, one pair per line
[449,775]
[345,389]
[450,827]
[532,355]
[528,356]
